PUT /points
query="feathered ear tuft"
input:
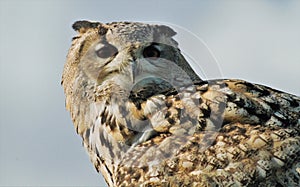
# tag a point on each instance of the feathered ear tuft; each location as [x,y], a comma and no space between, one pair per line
[166,30]
[83,26]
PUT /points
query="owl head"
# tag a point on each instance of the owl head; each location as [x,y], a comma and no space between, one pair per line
[126,56]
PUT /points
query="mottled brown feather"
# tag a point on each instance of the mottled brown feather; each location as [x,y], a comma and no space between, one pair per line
[142,131]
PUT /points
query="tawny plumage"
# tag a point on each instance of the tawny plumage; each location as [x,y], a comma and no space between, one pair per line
[147,119]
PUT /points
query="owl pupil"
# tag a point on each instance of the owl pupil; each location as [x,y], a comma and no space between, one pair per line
[151,52]
[106,51]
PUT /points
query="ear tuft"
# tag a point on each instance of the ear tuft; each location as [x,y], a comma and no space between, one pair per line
[166,30]
[82,26]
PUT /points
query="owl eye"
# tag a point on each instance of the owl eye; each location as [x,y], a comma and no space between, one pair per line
[106,50]
[152,52]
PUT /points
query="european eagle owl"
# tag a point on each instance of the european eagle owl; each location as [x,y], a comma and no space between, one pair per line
[147,119]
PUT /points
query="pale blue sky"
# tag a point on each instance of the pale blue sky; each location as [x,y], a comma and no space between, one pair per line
[254,40]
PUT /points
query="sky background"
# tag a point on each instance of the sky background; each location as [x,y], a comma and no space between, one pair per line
[258,41]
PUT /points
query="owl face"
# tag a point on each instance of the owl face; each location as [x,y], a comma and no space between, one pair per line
[126,55]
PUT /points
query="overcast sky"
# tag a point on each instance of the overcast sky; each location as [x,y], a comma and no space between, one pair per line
[258,41]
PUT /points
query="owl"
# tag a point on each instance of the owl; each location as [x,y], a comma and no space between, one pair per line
[147,119]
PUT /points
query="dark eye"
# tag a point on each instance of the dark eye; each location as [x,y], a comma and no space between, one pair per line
[152,52]
[106,50]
